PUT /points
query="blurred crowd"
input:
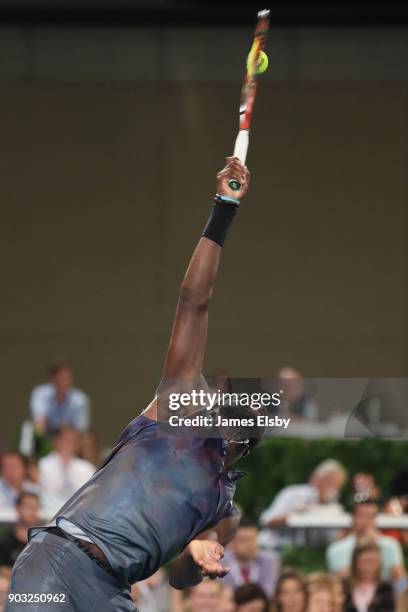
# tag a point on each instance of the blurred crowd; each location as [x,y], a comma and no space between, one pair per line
[364,569]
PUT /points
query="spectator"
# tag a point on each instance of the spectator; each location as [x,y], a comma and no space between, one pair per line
[364,486]
[402,603]
[296,402]
[13,479]
[339,553]
[290,593]
[62,472]
[339,594]
[208,596]
[88,448]
[152,595]
[366,591]
[226,603]
[5,574]
[58,403]
[14,539]
[33,474]
[251,598]
[323,487]
[321,595]
[398,503]
[247,563]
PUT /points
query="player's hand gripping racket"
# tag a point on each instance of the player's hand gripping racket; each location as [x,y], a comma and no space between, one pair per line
[257,62]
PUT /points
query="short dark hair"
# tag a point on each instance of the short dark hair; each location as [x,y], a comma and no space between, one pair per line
[253,434]
[250,592]
[25,494]
[56,367]
[247,522]
[60,430]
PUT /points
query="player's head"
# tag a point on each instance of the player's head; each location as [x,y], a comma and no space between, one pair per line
[239,448]
[239,430]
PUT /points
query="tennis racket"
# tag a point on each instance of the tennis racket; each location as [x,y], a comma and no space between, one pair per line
[248,91]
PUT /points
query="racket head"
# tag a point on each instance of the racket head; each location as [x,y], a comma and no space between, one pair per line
[249,87]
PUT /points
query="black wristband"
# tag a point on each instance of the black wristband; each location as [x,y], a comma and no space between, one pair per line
[218,224]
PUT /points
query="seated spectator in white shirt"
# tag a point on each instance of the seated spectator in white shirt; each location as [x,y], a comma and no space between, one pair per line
[339,554]
[62,472]
[58,403]
[323,487]
[13,480]
[247,563]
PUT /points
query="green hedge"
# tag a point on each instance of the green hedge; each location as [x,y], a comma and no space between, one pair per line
[280,462]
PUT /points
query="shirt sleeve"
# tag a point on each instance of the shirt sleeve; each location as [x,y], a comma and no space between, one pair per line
[396,556]
[39,401]
[83,412]
[288,500]
[338,556]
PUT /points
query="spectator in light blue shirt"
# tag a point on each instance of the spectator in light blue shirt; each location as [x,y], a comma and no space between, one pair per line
[58,403]
[339,554]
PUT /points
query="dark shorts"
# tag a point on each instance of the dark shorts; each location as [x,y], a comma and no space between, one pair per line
[54,574]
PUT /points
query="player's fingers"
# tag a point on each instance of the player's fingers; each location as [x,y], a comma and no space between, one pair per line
[236,164]
[217,572]
[224,172]
[237,169]
[213,569]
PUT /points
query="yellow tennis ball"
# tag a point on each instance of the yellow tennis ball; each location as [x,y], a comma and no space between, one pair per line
[262,62]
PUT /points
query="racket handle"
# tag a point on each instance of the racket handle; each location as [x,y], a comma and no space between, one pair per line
[240,151]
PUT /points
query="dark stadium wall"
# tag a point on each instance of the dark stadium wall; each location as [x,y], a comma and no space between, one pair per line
[105,190]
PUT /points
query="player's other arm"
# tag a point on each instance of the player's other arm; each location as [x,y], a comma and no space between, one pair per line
[202,557]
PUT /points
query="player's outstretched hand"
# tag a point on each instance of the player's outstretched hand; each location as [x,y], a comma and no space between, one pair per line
[207,554]
[237,171]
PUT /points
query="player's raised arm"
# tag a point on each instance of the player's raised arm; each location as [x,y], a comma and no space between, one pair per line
[185,354]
